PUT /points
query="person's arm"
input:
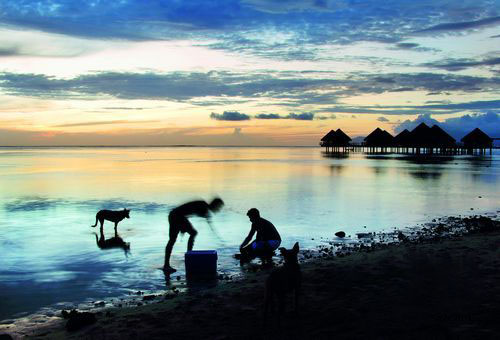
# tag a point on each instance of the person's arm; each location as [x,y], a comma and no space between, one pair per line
[248,238]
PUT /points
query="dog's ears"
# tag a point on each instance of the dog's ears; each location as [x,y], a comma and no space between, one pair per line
[296,247]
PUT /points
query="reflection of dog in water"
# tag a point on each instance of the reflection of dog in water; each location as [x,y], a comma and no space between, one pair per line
[284,280]
[113,242]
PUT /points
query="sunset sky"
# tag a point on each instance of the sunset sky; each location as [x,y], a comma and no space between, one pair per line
[248,72]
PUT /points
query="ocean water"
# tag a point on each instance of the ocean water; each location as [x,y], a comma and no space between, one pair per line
[49,198]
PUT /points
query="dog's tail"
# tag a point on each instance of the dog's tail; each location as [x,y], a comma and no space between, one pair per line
[93,226]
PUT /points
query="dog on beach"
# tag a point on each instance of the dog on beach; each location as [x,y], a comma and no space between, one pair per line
[283,280]
[110,215]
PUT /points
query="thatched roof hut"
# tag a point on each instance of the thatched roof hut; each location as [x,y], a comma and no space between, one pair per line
[379,137]
[328,137]
[421,136]
[335,138]
[342,138]
[440,138]
[477,139]
[403,138]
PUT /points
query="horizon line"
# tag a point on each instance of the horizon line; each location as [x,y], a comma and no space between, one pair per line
[153,146]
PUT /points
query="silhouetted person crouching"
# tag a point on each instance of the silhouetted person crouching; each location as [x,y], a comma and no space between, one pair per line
[266,242]
[178,223]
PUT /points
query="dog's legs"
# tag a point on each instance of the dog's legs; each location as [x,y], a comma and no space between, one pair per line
[102,224]
[116,226]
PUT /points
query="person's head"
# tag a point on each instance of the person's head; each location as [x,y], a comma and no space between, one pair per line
[216,204]
[253,214]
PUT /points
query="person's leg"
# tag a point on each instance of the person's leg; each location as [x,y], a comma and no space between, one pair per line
[173,232]
[192,235]
[266,251]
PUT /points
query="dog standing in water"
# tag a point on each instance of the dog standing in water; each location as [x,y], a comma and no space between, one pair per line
[110,215]
[283,280]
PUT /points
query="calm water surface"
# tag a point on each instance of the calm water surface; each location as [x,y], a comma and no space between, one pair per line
[49,198]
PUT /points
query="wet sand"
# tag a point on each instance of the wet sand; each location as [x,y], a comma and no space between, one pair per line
[436,284]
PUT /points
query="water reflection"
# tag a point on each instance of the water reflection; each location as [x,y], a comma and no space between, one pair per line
[426,175]
[336,169]
[336,155]
[112,242]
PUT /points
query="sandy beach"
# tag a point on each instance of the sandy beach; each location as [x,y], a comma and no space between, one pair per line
[441,282]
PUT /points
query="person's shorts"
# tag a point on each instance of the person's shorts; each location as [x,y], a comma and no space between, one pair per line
[265,245]
[179,224]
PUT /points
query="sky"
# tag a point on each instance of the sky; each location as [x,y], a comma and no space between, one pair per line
[247,72]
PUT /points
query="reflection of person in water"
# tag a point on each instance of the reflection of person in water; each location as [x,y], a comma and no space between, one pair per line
[266,242]
[178,222]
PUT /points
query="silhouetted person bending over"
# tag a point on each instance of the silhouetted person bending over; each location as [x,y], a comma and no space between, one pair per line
[266,242]
[178,222]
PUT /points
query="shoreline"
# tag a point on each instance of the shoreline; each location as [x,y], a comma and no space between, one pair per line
[443,273]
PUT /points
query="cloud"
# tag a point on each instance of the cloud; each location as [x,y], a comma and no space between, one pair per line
[300,116]
[460,26]
[332,116]
[267,116]
[123,108]
[382,119]
[108,122]
[462,64]
[445,107]
[179,86]
[294,116]
[458,127]
[8,51]
[407,46]
[413,47]
[230,116]
[291,88]
[289,29]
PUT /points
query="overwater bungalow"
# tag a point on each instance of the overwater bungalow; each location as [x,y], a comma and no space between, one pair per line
[421,140]
[441,141]
[379,140]
[402,141]
[477,140]
[335,141]
[420,137]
